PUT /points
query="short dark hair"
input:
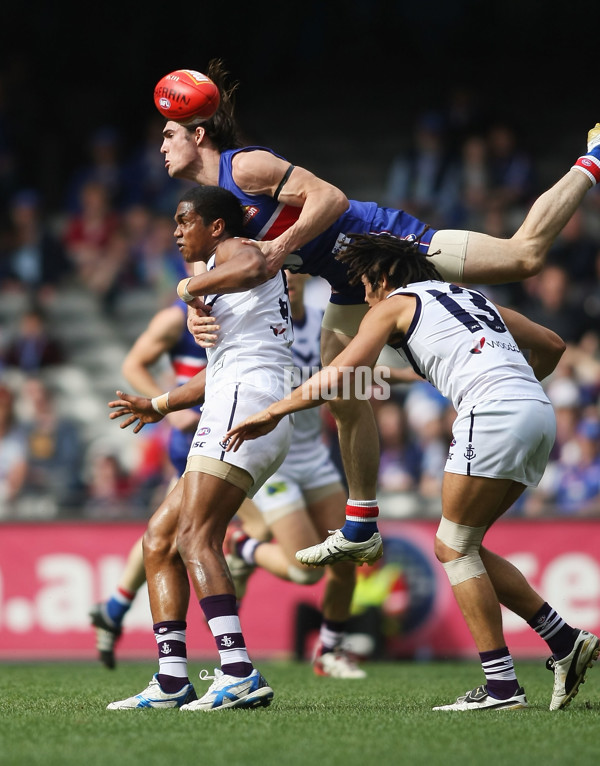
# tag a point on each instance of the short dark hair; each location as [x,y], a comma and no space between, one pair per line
[376,255]
[222,127]
[212,202]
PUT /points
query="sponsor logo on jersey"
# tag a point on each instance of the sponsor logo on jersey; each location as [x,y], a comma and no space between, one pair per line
[478,346]
[340,243]
[505,346]
[250,212]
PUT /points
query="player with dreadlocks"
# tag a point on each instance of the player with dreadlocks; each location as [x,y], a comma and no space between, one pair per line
[470,350]
[302,222]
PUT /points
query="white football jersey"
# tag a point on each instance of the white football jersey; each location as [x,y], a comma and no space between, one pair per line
[255,337]
[306,353]
[459,343]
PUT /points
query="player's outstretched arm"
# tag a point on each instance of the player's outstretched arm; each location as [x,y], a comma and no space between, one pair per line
[329,382]
[544,345]
[142,410]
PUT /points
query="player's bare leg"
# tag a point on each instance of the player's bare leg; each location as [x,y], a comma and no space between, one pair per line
[357,429]
[512,589]
[359,539]
[169,591]
[470,504]
[209,504]
[573,650]
[491,260]
[107,617]
[168,583]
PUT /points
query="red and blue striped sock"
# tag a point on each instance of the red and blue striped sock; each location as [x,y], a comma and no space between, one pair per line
[589,164]
[118,605]
[361,520]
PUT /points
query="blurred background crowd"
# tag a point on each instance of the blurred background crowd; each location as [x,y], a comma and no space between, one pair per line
[458,114]
[81,277]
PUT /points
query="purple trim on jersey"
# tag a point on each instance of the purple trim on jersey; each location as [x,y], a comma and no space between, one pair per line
[404,342]
[317,257]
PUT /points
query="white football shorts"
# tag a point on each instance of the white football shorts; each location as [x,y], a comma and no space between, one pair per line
[508,439]
[224,408]
[297,483]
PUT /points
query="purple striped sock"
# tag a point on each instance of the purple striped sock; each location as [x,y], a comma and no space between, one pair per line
[559,636]
[500,677]
[222,618]
[172,655]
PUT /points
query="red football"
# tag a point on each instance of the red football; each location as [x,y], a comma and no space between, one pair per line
[185,95]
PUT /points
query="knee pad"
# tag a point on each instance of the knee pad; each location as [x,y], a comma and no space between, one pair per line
[304,575]
[467,541]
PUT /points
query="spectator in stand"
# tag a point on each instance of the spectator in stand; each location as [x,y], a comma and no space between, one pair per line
[576,249]
[591,297]
[571,486]
[94,243]
[400,461]
[565,396]
[104,167]
[158,263]
[511,170]
[577,492]
[426,412]
[422,180]
[35,259]
[33,347]
[13,454]
[550,302]
[146,182]
[473,178]
[109,494]
[55,447]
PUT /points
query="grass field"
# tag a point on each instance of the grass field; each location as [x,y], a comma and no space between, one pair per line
[54,714]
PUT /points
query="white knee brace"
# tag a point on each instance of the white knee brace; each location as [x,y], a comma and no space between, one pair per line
[465,540]
[304,575]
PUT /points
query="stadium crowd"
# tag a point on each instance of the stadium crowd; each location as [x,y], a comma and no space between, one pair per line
[79,277]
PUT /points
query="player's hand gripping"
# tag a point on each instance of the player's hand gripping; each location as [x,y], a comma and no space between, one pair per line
[203,327]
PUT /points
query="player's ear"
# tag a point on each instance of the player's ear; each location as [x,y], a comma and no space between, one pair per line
[218,227]
[199,134]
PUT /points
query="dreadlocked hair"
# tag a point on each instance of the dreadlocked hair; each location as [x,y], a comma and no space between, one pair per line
[376,255]
[221,128]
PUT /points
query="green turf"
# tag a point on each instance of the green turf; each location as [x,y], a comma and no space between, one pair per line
[54,714]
